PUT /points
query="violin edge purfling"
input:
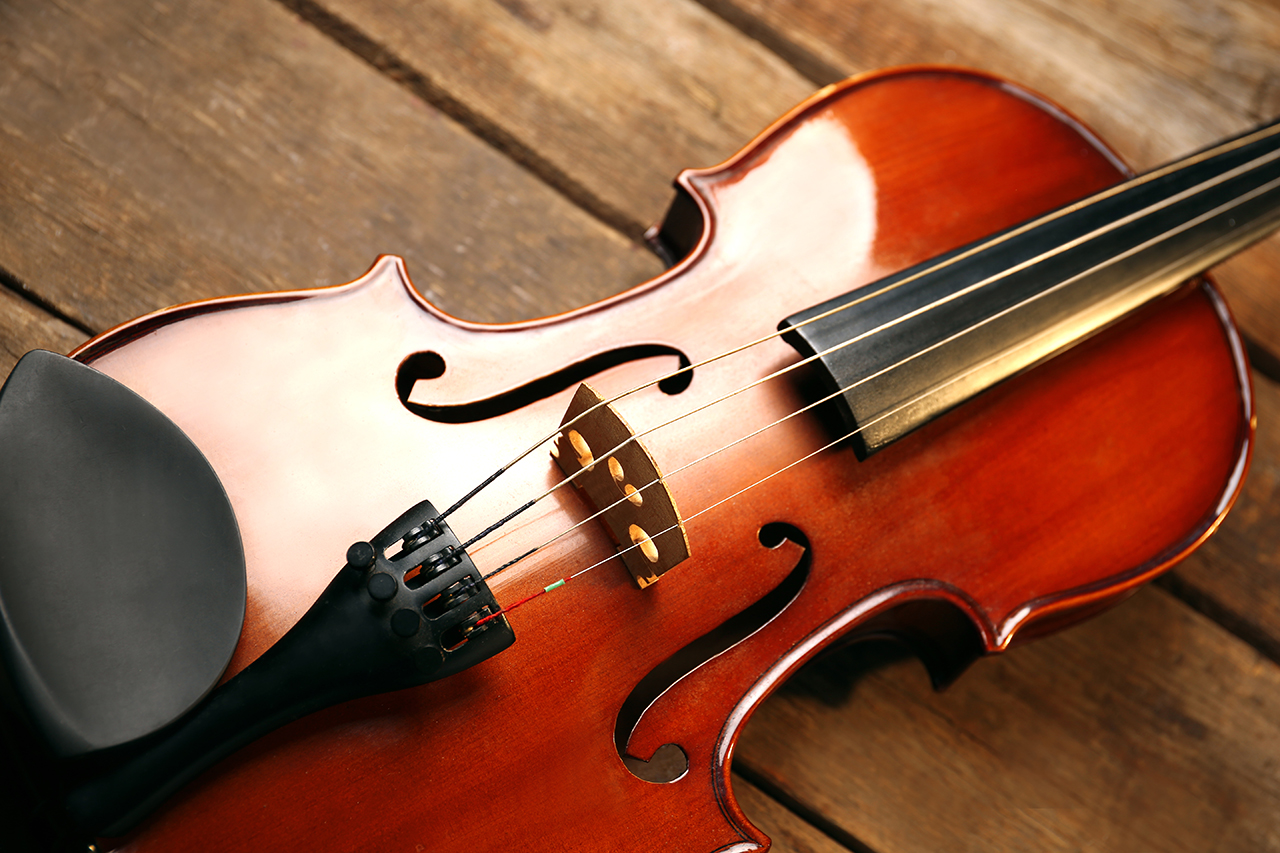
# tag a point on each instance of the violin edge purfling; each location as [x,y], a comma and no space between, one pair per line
[1052,442]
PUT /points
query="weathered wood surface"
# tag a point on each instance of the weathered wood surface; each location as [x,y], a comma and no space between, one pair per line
[25,327]
[657,86]
[1049,749]
[1155,79]
[513,151]
[1235,578]
[154,156]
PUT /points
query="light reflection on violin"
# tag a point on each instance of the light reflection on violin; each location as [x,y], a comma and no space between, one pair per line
[1010,516]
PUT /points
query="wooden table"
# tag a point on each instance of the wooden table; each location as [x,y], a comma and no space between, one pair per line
[514,151]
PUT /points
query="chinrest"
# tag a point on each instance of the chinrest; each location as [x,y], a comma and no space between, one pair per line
[122,576]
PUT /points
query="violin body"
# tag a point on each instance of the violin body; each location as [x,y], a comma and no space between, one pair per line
[1045,500]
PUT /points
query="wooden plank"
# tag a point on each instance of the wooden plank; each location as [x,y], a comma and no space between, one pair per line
[1234,577]
[1147,729]
[607,100]
[789,833]
[586,88]
[24,327]
[1156,79]
[1226,50]
[126,201]
[157,154]
[1081,56]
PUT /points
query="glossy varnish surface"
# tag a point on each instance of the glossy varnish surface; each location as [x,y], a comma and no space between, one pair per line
[1060,488]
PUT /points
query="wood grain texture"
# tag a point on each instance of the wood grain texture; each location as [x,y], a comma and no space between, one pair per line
[25,327]
[874,557]
[789,833]
[610,100]
[1155,79]
[1041,750]
[156,155]
[990,550]
[1235,577]
[151,154]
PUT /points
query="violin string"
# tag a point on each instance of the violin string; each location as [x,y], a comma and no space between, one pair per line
[1246,139]
[936,388]
[1257,163]
[826,447]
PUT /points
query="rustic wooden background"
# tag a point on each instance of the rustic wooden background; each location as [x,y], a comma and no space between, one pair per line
[513,151]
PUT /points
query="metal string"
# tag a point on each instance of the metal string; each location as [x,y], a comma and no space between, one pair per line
[1256,163]
[938,387]
[1257,135]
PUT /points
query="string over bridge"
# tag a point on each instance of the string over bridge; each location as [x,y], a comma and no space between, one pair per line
[625,486]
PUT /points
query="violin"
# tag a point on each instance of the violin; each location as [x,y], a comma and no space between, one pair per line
[925,365]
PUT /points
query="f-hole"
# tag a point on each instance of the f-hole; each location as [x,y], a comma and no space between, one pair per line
[669,762]
[431,365]
[420,365]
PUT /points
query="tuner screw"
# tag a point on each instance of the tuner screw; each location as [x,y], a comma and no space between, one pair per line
[470,626]
[421,535]
[360,555]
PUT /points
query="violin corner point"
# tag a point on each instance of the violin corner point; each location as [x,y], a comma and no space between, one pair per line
[387,263]
[388,270]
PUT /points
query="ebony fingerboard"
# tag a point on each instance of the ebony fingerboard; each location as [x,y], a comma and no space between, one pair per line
[905,349]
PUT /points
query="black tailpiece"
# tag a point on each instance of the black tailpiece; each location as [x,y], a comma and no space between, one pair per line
[384,623]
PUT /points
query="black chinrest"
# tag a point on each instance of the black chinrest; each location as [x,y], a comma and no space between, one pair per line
[122,577]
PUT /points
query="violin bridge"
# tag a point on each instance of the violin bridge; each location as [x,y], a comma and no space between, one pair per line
[624,486]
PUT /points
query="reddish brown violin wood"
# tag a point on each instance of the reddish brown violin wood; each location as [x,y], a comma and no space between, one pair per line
[1042,501]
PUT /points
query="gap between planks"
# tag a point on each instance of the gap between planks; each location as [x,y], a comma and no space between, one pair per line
[354,34]
[1136,63]
[14,284]
[837,834]
[809,63]
[386,61]
[398,70]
